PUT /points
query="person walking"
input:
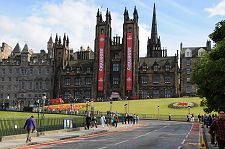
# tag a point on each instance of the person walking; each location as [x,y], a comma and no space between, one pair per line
[137,119]
[103,121]
[169,117]
[116,119]
[218,126]
[88,121]
[29,124]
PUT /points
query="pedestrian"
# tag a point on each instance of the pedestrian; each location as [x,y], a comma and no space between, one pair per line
[94,120]
[137,119]
[103,121]
[169,117]
[134,118]
[192,117]
[209,121]
[88,121]
[30,125]
[218,125]
[116,119]
[199,118]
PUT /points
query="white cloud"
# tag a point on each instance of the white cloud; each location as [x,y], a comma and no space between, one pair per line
[217,10]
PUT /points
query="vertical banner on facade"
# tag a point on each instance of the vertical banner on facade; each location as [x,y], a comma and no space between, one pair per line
[101,63]
[129,61]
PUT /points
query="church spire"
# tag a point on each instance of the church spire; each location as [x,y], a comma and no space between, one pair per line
[154,34]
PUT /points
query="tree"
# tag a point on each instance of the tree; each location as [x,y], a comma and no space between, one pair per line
[219,32]
[209,73]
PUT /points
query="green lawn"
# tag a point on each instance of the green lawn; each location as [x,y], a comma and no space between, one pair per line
[150,106]
[25,115]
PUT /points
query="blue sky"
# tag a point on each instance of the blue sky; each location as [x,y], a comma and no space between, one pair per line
[33,21]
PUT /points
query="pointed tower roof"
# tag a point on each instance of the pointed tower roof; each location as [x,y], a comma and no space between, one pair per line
[25,49]
[17,49]
[154,34]
[50,39]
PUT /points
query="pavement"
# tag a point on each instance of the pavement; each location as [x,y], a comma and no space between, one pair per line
[16,141]
[207,139]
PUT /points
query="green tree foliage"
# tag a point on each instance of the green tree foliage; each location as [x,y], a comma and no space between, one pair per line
[219,32]
[209,75]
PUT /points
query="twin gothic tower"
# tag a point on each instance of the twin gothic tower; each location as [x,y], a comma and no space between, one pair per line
[116,62]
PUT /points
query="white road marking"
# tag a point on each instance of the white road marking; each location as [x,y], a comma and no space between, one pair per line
[102,147]
[179,147]
[148,133]
[121,142]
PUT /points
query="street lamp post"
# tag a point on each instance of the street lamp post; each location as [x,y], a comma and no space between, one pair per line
[189,109]
[43,103]
[158,112]
[87,107]
[38,102]
[110,106]
[125,106]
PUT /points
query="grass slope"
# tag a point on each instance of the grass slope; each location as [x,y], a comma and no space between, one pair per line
[150,106]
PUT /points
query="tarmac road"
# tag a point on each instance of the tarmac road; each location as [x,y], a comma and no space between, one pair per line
[155,135]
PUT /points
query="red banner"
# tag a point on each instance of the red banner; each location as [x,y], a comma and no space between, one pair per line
[129,61]
[101,63]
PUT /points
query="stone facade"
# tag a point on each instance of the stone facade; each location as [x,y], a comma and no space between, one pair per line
[188,57]
[5,51]
[24,77]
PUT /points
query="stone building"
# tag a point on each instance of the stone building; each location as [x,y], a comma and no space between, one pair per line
[188,57]
[115,66]
[5,51]
[158,73]
[24,77]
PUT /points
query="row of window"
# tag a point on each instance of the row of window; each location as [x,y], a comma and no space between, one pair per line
[31,62]
[77,95]
[77,81]
[155,79]
[78,70]
[155,94]
[188,52]
[16,95]
[35,85]
[156,68]
[25,70]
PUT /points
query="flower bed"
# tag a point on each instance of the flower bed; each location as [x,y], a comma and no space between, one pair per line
[65,107]
[178,105]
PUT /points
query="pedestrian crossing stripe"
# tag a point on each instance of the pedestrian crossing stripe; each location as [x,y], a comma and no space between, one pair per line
[203,145]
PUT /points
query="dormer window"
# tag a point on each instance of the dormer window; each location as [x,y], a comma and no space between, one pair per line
[167,67]
[144,68]
[156,68]
[188,53]
[201,52]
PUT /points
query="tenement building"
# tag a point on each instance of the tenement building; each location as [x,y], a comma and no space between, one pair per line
[24,77]
[188,57]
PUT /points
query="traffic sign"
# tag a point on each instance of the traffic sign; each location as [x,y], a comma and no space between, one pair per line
[203,145]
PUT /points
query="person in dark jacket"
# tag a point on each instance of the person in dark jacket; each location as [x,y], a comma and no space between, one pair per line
[29,124]
[218,126]
[88,121]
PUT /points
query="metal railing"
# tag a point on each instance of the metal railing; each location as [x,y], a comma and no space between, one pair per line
[16,126]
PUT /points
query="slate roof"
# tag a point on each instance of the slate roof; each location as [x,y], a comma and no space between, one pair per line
[161,61]
[25,49]
[17,49]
